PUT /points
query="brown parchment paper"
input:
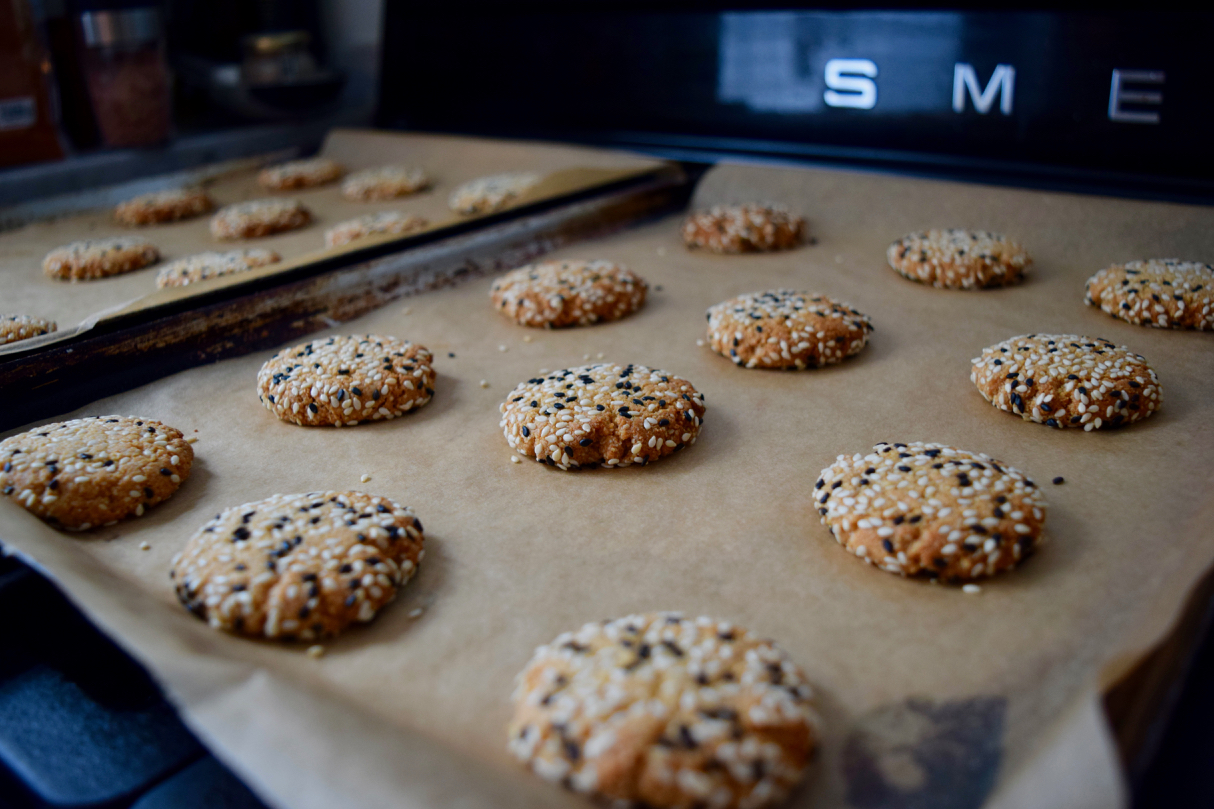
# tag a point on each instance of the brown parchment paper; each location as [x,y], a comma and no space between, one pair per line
[411,712]
[448,160]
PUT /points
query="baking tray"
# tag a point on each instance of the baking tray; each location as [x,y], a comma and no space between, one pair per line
[931,697]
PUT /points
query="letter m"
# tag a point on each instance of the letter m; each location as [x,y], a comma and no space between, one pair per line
[1003,83]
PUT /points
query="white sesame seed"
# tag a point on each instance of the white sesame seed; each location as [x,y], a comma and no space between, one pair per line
[971,589]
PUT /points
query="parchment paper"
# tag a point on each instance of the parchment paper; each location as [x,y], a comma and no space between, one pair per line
[925,690]
[448,160]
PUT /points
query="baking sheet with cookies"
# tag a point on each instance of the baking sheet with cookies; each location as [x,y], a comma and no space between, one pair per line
[925,690]
[449,161]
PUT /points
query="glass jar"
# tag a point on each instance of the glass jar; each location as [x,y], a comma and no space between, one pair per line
[127,75]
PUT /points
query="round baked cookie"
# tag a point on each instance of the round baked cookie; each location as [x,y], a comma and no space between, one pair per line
[1166,293]
[663,711]
[488,194]
[88,472]
[602,415]
[261,217]
[23,327]
[930,510]
[300,174]
[202,266]
[1064,380]
[164,206]
[382,222]
[751,228]
[385,182]
[346,380]
[298,566]
[568,293]
[99,258]
[959,259]
[782,328]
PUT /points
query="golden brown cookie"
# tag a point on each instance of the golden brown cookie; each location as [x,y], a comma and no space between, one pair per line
[488,194]
[99,258]
[371,224]
[299,566]
[602,415]
[959,259]
[1166,293]
[782,328]
[568,293]
[751,228]
[1064,380]
[200,267]
[88,472]
[23,327]
[659,710]
[930,510]
[385,182]
[164,206]
[300,174]
[346,380]
[261,217]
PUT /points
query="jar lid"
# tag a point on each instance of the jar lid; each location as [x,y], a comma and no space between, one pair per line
[120,28]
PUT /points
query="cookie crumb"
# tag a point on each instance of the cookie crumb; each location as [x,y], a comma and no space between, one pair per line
[1058,481]
[365,479]
[316,651]
[192,439]
[416,612]
[514,459]
[699,342]
[145,546]
[527,338]
[599,355]
[484,384]
[971,589]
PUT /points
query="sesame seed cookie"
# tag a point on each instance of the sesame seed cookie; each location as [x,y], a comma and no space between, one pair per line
[88,472]
[1166,293]
[261,217]
[382,222]
[931,510]
[202,266]
[663,711]
[488,194]
[300,174]
[346,380]
[385,182]
[1064,380]
[782,328]
[959,259]
[99,258]
[23,327]
[568,293]
[299,566]
[164,206]
[749,228]
[602,415]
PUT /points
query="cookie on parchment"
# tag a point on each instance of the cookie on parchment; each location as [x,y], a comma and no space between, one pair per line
[300,174]
[493,193]
[346,380]
[602,415]
[660,710]
[200,267]
[88,472]
[959,259]
[23,327]
[371,224]
[568,293]
[751,228]
[1166,293]
[298,566]
[164,206]
[782,328]
[99,258]
[1064,380]
[385,182]
[260,217]
[930,510]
